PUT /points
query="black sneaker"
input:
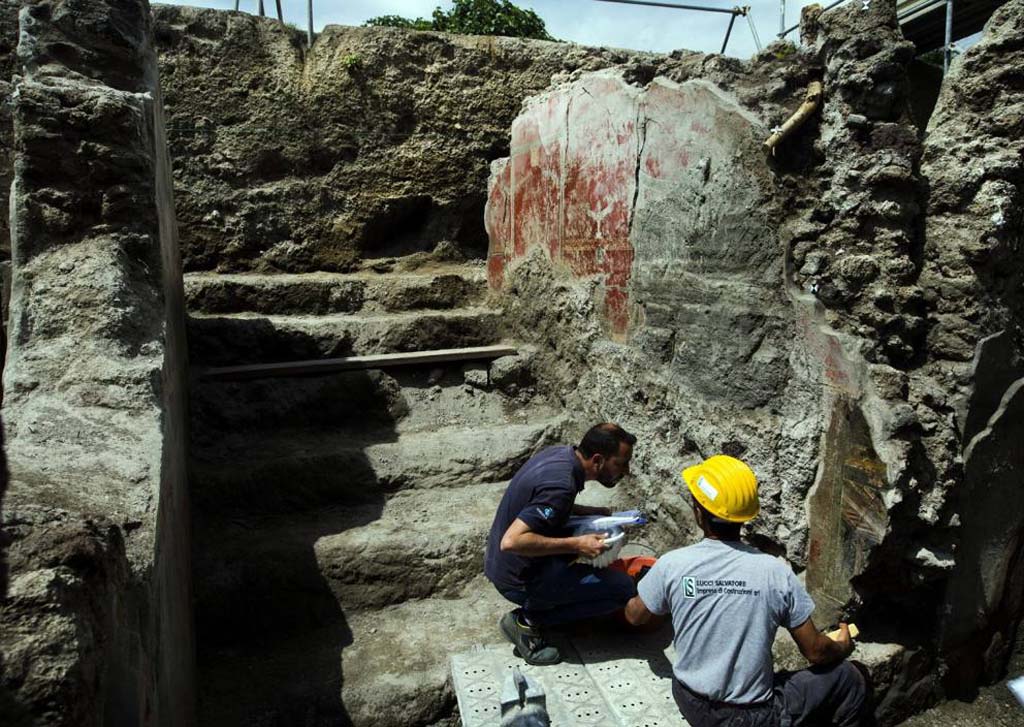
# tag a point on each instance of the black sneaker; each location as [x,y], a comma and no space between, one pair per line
[530,646]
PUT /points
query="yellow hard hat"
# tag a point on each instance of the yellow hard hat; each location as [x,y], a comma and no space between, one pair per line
[725,486]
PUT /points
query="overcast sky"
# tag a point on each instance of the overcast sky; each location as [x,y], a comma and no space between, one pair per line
[583,21]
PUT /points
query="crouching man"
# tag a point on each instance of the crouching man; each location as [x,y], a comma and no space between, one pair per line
[726,600]
[530,551]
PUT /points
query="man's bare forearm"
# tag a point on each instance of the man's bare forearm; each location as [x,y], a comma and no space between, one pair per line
[534,545]
[636,612]
[818,648]
[829,651]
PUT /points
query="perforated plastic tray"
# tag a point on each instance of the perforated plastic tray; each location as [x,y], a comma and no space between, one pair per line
[604,680]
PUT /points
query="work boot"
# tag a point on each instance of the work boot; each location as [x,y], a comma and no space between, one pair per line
[530,645]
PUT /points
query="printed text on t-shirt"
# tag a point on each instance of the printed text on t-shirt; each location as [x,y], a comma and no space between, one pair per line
[694,587]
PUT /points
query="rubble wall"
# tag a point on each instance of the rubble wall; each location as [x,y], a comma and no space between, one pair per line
[374,142]
[96,628]
[8,64]
[974,279]
[821,313]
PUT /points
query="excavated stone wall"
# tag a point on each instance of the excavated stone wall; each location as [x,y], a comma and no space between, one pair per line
[8,64]
[693,284]
[973,279]
[96,626]
[375,142]
[842,315]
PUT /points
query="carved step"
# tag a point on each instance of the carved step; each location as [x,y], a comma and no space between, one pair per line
[318,367]
[325,293]
[381,667]
[459,394]
[299,470]
[265,573]
[247,338]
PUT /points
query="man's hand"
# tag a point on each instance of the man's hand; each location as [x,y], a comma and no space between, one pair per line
[637,613]
[844,639]
[590,545]
[818,648]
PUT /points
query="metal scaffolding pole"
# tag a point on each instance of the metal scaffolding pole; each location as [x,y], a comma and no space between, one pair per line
[828,7]
[728,32]
[753,30]
[676,6]
[280,15]
[782,17]
[947,49]
[309,28]
[732,12]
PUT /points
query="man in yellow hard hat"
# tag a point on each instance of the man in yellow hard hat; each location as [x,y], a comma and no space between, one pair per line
[726,600]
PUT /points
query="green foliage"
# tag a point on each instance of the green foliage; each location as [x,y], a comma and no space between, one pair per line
[352,62]
[490,17]
[783,50]
[476,17]
[397,21]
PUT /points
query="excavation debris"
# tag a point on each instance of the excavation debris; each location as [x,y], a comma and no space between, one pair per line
[844,315]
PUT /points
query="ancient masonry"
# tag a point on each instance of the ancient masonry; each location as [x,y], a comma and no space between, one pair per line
[196,189]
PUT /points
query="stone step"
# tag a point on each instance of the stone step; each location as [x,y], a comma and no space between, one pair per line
[385,667]
[256,574]
[322,293]
[464,394]
[299,470]
[249,338]
[372,362]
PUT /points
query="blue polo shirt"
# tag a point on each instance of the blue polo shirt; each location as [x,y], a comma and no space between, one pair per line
[541,494]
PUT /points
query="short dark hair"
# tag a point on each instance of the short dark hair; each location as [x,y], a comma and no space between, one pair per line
[719,528]
[605,439]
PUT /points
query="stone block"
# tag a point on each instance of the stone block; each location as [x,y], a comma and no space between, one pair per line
[95,378]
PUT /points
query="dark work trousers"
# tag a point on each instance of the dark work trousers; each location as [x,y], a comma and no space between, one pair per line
[822,695]
[561,591]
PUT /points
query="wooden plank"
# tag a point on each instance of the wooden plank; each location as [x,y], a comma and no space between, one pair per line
[352,363]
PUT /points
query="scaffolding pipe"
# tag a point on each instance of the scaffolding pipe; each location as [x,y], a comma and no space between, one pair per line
[733,11]
[790,29]
[280,15]
[236,5]
[753,30]
[261,8]
[309,27]
[919,9]
[728,32]
[947,49]
[782,17]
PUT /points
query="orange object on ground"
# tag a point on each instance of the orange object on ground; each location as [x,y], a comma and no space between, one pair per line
[633,566]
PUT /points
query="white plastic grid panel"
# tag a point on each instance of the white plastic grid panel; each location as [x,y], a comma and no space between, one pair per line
[572,696]
[605,681]
[634,675]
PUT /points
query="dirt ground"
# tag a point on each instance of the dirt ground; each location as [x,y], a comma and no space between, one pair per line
[994,707]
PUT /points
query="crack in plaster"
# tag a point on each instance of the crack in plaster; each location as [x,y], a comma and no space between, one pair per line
[641,127]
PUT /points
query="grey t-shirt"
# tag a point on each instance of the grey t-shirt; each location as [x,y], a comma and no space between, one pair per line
[727,599]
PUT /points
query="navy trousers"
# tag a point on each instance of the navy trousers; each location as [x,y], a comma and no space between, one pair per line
[562,591]
[821,695]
